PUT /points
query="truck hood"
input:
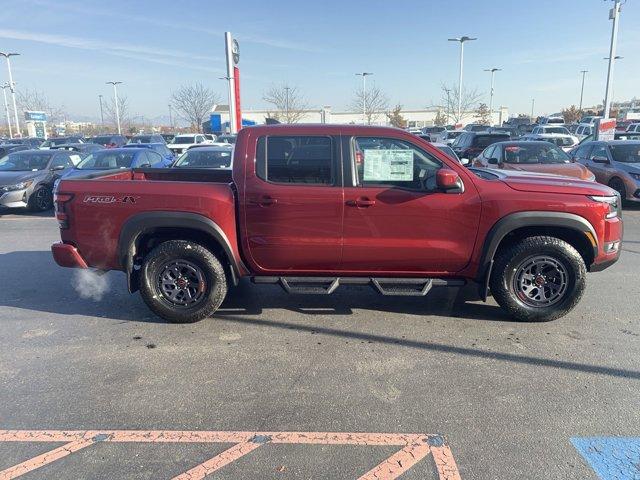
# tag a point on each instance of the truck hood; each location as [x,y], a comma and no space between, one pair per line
[548,183]
[11,178]
[575,170]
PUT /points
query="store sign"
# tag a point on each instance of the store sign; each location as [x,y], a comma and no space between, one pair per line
[606,129]
[235,51]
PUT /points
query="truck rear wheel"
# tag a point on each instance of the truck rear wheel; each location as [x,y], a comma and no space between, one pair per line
[538,279]
[182,281]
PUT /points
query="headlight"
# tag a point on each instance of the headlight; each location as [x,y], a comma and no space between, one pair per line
[612,202]
[635,176]
[17,186]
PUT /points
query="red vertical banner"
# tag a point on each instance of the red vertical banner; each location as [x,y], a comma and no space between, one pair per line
[236,84]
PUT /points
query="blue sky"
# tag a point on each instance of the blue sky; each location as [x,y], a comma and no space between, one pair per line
[70,48]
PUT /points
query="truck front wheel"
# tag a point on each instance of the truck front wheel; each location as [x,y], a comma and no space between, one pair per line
[538,279]
[182,281]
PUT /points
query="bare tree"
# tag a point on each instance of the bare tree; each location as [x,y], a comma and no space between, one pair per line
[123,111]
[193,103]
[289,103]
[449,101]
[34,100]
[372,103]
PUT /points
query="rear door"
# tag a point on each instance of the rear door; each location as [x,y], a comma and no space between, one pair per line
[395,219]
[293,204]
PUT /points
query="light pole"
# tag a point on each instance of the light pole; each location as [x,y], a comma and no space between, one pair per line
[170,118]
[101,112]
[461,40]
[6,108]
[533,102]
[115,99]
[617,57]
[12,88]
[493,71]
[286,102]
[614,14]
[583,72]
[364,76]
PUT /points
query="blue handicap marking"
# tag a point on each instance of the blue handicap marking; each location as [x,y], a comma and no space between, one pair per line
[612,458]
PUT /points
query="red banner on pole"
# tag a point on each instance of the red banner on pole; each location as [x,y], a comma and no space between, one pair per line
[238,112]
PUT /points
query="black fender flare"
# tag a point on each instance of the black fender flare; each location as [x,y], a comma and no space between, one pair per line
[518,220]
[142,223]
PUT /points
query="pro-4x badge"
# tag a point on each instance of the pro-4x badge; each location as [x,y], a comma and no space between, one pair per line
[108,199]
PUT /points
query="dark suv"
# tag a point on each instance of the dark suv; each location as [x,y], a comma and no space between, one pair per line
[471,144]
[110,141]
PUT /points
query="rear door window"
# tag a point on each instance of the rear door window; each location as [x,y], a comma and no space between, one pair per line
[303,160]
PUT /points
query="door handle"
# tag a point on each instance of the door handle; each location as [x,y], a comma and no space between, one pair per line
[267,201]
[361,202]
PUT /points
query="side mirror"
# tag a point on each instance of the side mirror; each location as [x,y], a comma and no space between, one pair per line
[600,159]
[58,168]
[448,180]
[465,161]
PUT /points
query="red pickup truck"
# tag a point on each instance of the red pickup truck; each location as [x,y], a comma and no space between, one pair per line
[314,207]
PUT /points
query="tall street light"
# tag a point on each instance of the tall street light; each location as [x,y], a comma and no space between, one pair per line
[115,99]
[6,107]
[101,112]
[493,71]
[286,102]
[364,76]
[533,103]
[170,117]
[617,57]
[12,88]
[583,72]
[461,40]
[614,14]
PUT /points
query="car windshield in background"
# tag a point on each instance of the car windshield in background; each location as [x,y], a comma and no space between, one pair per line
[226,139]
[200,158]
[483,141]
[560,141]
[447,150]
[55,141]
[106,159]
[184,139]
[141,139]
[626,153]
[102,140]
[556,130]
[24,161]
[534,153]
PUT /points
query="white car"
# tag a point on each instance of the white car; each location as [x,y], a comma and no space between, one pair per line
[542,129]
[555,119]
[448,136]
[589,119]
[181,143]
[583,130]
[634,127]
[565,142]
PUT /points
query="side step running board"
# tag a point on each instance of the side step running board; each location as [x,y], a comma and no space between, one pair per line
[415,287]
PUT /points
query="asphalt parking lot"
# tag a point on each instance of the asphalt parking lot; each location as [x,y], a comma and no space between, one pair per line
[88,373]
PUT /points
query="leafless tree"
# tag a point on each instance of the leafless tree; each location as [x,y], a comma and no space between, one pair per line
[449,102]
[123,110]
[289,104]
[373,104]
[37,101]
[193,103]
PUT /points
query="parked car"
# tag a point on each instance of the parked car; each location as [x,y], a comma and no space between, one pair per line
[7,148]
[168,137]
[211,137]
[226,138]
[633,127]
[513,132]
[583,130]
[615,163]
[27,177]
[531,156]
[116,159]
[565,142]
[206,156]
[541,129]
[449,136]
[147,138]
[622,125]
[447,150]
[167,155]
[295,211]
[83,149]
[181,143]
[470,144]
[30,142]
[110,141]
[52,142]
[555,119]
[589,120]
[476,127]
[433,132]
[517,121]
[526,128]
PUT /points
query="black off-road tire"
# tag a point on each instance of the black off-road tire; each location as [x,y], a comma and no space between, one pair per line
[214,288]
[507,264]
[40,200]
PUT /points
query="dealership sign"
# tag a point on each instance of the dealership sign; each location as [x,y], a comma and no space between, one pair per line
[605,129]
[35,116]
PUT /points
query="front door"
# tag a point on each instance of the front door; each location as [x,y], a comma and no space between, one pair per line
[395,218]
[293,204]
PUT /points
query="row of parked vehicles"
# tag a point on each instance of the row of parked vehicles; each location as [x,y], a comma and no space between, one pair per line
[30,168]
[614,163]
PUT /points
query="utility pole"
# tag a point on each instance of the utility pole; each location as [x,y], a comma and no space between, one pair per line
[461,40]
[533,102]
[286,102]
[6,108]
[364,94]
[101,112]
[170,118]
[12,89]
[115,99]
[583,72]
[493,71]
[448,91]
[614,15]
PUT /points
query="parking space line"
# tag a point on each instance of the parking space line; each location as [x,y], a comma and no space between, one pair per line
[414,447]
[398,463]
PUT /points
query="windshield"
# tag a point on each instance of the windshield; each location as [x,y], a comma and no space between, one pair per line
[535,153]
[556,130]
[24,162]
[106,159]
[102,140]
[559,141]
[447,150]
[55,141]
[205,159]
[227,139]
[184,139]
[141,139]
[626,153]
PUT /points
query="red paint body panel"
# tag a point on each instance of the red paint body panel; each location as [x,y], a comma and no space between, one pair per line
[67,255]
[317,230]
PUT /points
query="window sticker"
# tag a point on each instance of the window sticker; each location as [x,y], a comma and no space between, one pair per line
[388,165]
